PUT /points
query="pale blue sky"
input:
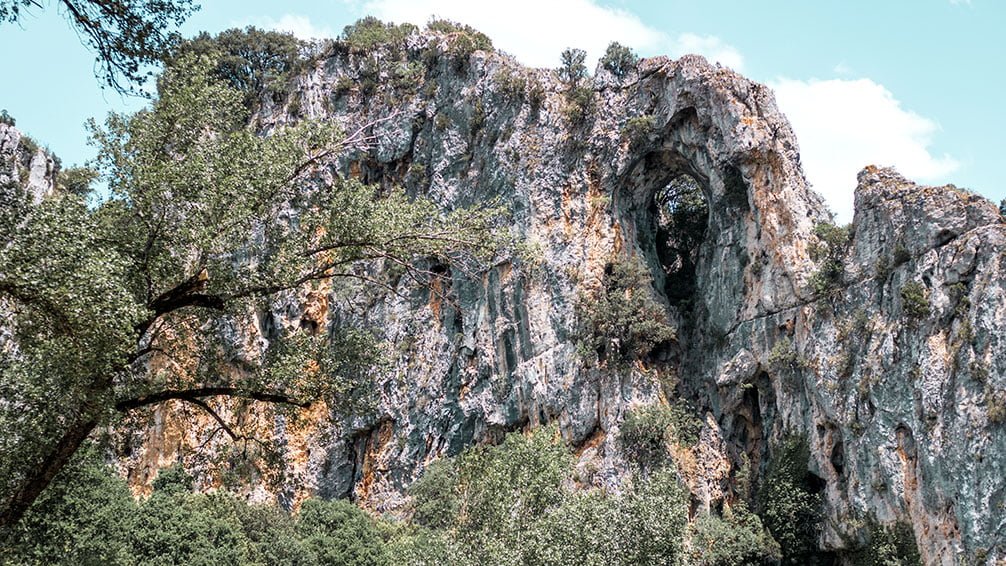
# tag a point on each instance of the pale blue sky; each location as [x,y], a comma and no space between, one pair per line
[912,83]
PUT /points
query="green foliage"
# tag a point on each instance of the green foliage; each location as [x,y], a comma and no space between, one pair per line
[647,431]
[737,538]
[195,232]
[369,33]
[995,404]
[787,504]
[829,251]
[252,61]
[579,96]
[515,509]
[338,532]
[6,118]
[502,489]
[639,128]
[623,321]
[128,36]
[28,145]
[619,59]
[76,180]
[890,545]
[573,70]
[579,104]
[463,40]
[84,518]
[435,503]
[1002,205]
[914,300]
[783,356]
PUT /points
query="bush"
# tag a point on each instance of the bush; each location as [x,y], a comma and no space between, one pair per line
[638,128]
[6,118]
[338,532]
[435,502]
[579,104]
[829,251]
[914,300]
[84,517]
[738,537]
[890,545]
[624,321]
[369,33]
[573,71]
[463,40]
[783,356]
[787,503]
[619,59]
[647,431]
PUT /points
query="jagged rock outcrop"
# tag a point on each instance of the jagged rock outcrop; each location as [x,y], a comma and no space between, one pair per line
[902,405]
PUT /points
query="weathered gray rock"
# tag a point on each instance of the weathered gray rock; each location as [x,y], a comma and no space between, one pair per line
[902,413]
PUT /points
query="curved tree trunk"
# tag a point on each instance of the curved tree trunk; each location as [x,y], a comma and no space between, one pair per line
[16,505]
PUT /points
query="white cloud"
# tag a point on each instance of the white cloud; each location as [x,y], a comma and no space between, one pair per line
[842,69]
[844,125]
[536,31]
[299,26]
[710,47]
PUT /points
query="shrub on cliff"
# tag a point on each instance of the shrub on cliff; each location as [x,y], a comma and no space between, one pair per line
[828,250]
[647,432]
[369,33]
[623,321]
[914,300]
[619,59]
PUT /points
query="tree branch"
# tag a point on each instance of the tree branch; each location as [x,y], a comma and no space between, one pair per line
[126,405]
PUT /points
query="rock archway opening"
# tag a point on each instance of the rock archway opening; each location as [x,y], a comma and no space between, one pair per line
[680,218]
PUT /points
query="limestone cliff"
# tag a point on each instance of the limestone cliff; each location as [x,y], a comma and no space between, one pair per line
[892,366]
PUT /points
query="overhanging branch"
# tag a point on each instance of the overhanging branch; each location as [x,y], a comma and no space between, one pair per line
[196,394]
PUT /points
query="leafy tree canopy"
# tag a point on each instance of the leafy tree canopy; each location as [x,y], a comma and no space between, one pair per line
[120,306]
[128,36]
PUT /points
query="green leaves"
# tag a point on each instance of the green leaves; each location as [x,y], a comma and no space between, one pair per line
[624,321]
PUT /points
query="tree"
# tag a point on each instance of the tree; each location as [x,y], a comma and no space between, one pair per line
[128,36]
[619,59]
[119,307]
[250,60]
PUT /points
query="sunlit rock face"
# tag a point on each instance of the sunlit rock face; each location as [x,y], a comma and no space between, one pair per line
[903,411]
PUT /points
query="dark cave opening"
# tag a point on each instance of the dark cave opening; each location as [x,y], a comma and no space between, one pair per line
[681,215]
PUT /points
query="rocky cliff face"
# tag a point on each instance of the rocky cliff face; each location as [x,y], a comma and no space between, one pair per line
[890,364]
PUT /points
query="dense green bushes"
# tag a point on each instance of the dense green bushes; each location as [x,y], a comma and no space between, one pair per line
[87,516]
[511,504]
[737,537]
[251,61]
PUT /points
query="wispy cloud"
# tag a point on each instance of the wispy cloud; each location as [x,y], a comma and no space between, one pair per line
[710,47]
[299,26]
[537,41]
[844,125]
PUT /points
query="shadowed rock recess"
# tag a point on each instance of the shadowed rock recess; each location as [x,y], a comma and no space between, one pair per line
[889,362]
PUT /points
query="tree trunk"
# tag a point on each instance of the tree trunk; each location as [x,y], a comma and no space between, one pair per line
[14,508]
